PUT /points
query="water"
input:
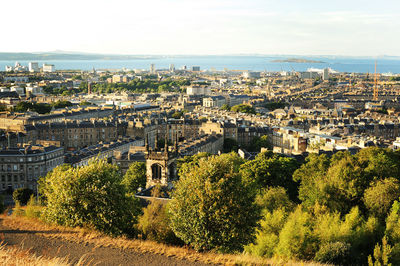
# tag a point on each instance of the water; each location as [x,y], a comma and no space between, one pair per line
[252,63]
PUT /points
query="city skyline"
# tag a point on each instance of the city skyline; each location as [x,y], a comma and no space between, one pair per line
[178,27]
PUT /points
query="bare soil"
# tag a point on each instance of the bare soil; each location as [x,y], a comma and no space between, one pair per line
[75,252]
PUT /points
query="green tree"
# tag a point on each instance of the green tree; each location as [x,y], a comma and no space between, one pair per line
[230,145]
[90,196]
[135,177]
[270,169]
[225,107]
[177,114]
[243,108]
[380,197]
[259,142]
[274,198]
[211,208]
[22,195]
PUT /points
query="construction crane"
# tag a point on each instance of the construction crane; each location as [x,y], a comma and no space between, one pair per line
[375,85]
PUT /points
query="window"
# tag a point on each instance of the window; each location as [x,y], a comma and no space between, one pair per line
[156,171]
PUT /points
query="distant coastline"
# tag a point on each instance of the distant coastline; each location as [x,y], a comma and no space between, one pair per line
[297,60]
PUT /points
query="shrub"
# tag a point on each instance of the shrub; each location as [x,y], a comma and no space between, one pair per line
[337,253]
[90,196]
[33,209]
[154,224]
[22,195]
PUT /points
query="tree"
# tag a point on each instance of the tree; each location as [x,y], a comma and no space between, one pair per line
[274,198]
[380,197]
[230,145]
[211,207]
[243,108]
[90,196]
[22,195]
[225,107]
[61,104]
[270,169]
[177,114]
[135,177]
[259,142]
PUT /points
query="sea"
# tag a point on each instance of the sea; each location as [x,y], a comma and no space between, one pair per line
[390,65]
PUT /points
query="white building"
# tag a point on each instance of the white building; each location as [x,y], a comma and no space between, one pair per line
[34,90]
[325,74]
[33,67]
[48,68]
[171,68]
[251,75]
[396,144]
[214,101]
[198,90]
[152,69]
[18,90]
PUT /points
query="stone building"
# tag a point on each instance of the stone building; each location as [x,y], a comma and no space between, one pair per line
[21,167]
[161,164]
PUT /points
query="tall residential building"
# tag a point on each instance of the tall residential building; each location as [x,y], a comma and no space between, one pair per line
[152,69]
[325,74]
[171,68]
[22,167]
[33,67]
[48,68]
[195,68]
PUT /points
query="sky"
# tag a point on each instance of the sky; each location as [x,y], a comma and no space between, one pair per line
[203,27]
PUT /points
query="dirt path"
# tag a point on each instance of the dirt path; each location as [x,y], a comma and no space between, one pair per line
[55,247]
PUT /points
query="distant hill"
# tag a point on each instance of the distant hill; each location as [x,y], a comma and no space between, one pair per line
[297,60]
[69,56]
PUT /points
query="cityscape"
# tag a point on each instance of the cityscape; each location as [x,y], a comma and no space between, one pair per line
[235,134]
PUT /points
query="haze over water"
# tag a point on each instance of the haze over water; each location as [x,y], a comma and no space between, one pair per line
[252,63]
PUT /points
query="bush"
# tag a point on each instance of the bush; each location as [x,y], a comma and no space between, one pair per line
[22,195]
[211,207]
[90,196]
[33,209]
[337,253]
[155,224]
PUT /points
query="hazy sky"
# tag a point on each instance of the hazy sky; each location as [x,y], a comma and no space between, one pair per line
[336,27]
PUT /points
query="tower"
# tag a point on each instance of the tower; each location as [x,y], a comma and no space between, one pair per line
[160,164]
[152,69]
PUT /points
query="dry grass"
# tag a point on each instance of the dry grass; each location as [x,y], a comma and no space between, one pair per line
[80,235]
[15,256]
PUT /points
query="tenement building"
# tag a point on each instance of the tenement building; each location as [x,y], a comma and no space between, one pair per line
[22,167]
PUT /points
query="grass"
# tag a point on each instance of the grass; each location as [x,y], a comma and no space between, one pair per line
[83,236]
[18,256]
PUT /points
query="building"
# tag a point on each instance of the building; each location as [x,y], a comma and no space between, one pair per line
[22,167]
[33,67]
[195,68]
[101,151]
[152,69]
[251,75]
[20,79]
[214,101]
[171,68]
[309,75]
[161,164]
[325,74]
[48,68]
[198,90]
